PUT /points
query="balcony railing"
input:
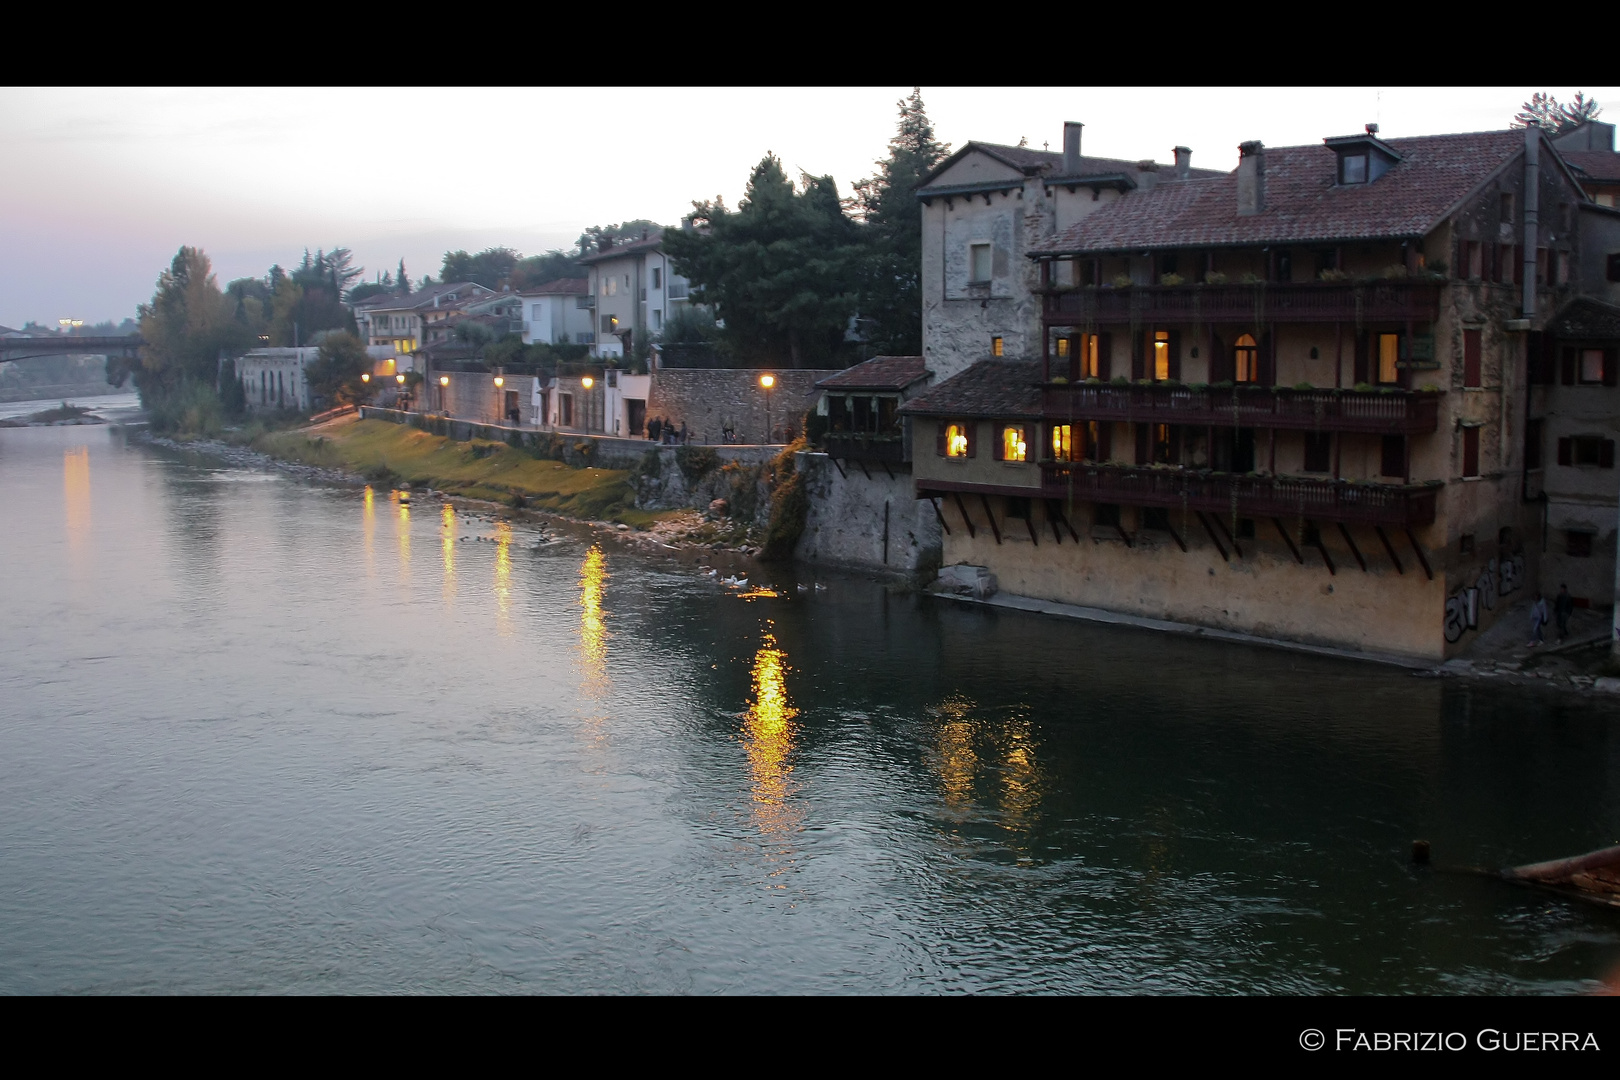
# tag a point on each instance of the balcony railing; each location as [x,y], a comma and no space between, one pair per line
[866,446]
[1248,304]
[1247,496]
[1398,412]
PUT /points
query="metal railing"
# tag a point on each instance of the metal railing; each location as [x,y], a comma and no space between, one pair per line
[1259,302]
[1395,412]
[866,446]
[1404,505]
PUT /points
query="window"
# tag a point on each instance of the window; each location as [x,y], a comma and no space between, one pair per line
[1099,437]
[1013,445]
[995,346]
[1063,348]
[1166,444]
[1507,207]
[956,440]
[1614,266]
[1018,506]
[1578,545]
[1156,517]
[1107,515]
[1353,169]
[1062,446]
[1089,368]
[1245,529]
[979,264]
[1161,354]
[610,323]
[1532,443]
[1389,355]
[565,410]
[658,318]
[1470,451]
[1392,460]
[627,281]
[1246,359]
[1470,267]
[1591,451]
[1318,451]
[1591,366]
[658,277]
[1471,354]
[1465,544]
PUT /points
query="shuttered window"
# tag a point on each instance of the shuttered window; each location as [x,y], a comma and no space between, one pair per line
[1471,358]
[1470,449]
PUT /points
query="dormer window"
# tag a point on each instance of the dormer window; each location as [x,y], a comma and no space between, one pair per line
[1353,169]
[1361,159]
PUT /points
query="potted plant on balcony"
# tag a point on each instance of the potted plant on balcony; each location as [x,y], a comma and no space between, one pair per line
[1121,281]
[1333,275]
[1214,277]
[1172,278]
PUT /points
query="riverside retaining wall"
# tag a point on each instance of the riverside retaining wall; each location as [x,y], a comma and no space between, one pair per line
[870,521]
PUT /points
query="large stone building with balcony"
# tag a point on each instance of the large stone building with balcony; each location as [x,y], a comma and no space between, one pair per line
[1292,400]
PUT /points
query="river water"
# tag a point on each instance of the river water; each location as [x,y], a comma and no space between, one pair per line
[265,736]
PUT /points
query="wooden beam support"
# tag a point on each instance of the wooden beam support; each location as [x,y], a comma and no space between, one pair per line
[1216,540]
[1230,539]
[1326,558]
[839,467]
[1389,547]
[1180,543]
[1054,510]
[862,463]
[937,513]
[962,506]
[1030,523]
[1289,540]
[1348,539]
[1123,535]
[886,468]
[1422,559]
[991,514]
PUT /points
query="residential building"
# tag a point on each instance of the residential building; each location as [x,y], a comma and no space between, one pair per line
[274,378]
[559,313]
[1290,400]
[408,322]
[1589,150]
[635,292]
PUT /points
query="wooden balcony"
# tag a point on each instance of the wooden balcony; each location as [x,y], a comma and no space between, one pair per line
[1398,412]
[868,447]
[1403,506]
[1249,305]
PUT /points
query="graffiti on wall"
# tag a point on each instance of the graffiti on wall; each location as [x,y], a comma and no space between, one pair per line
[1499,578]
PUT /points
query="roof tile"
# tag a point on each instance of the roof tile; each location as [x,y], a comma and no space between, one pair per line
[1001,388]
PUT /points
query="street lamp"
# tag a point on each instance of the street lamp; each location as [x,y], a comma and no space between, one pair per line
[587,382]
[767,381]
[444,383]
[500,381]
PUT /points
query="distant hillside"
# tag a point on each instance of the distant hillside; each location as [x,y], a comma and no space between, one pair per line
[54,376]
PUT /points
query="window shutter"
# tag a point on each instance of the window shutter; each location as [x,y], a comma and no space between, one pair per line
[1471,350]
[971,429]
[1606,454]
[1175,356]
[1219,366]
[1611,366]
[998,440]
[1139,356]
[1105,441]
[1518,265]
[1568,366]
[1144,449]
[1360,372]
[1471,451]
[1564,451]
[939,443]
[1268,359]
[1105,355]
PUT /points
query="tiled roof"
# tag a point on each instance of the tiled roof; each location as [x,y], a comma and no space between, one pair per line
[1588,319]
[878,373]
[1008,388]
[1302,202]
[1594,164]
[560,287]
[627,247]
[422,298]
[1047,163]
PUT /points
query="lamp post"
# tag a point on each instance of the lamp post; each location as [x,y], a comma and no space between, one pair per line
[402,399]
[587,382]
[767,381]
[500,381]
[444,384]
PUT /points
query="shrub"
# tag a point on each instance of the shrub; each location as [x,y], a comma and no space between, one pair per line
[1214,277]
[1303,386]
[1365,388]
[696,462]
[1121,281]
[1333,275]
[1172,279]
[191,409]
[1393,272]
[1119,380]
[790,504]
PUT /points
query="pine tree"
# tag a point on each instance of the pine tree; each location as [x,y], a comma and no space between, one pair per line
[891,294]
[404,282]
[1556,118]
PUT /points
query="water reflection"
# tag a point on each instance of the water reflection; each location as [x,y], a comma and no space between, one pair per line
[447,544]
[969,747]
[954,757]
[402,526]
[76,497]
[503,578]
[592,629]
[769,730]
[368,529]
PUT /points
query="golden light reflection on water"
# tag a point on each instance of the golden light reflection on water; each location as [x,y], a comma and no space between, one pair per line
[447,545]
[769,729]
[758,592]
[955,760]
[402,528]
[76,497]
[368,529]
[503,578]
[592,627]
[973,750]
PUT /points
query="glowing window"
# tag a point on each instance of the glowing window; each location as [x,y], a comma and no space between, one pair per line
[1063,347]
[1389,352]
[1246,359]
[1061,447]
[956,440]
[995,346]
[1088,357]
[1161,354]
[1013,444]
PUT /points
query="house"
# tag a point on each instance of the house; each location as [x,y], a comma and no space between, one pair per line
[862,409]
[635,292]
[274,378]
[1290,400]
[559,313]
[983,210]
[408,322]
[1589,150]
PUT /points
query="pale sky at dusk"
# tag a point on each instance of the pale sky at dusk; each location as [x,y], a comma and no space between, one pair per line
[103,185]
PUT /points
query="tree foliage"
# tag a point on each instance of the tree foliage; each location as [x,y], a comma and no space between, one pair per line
[490,268]
[188,327]
[335,372]
[780,272]
[891,287]
[1556,117]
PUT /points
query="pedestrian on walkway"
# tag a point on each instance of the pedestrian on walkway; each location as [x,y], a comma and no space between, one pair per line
[1538,619]
[1563,608]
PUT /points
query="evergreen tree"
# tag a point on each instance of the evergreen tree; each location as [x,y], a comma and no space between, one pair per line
[891,293]
[1554,117]
[404,282]
[188,326]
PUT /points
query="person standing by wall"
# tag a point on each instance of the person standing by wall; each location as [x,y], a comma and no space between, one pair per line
[1563,608]
[1538,619]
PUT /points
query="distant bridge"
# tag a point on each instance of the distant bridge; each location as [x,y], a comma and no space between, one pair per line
[25,348]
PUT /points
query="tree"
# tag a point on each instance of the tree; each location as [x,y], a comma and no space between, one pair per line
[590,241]
[403,281]
[334,374]
[780,271]
[537,270]
[1556,118]
[891,292]
[189,326]
[490,268]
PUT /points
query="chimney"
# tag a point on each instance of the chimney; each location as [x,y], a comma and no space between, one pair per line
[686,223]
[1147,175]
[1071,147]
[1183,163]
[1251,179]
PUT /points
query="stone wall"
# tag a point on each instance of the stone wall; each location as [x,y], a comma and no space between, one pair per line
[868,521]
[710,399]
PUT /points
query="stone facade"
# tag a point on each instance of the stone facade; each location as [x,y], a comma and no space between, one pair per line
[869,520]
[708,400]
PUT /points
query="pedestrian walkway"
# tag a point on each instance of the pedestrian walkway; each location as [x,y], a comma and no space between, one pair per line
[1506,645]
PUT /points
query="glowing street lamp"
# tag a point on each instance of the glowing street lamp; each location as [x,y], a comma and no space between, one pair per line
[444,383]
[767,381]
[587,382]
[500,381]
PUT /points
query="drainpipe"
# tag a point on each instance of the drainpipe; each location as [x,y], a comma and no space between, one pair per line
[1532,212]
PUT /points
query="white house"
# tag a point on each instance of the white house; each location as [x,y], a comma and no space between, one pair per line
[275,378]
[635,290]
[559,313]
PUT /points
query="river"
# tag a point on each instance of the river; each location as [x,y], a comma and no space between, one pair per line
[262,736]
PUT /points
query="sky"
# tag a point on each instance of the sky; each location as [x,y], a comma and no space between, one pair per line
[103,185]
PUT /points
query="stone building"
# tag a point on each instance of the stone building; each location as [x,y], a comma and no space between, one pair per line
[1291,400]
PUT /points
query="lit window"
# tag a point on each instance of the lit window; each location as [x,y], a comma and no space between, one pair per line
[995,346]
[1013,445]
[1246,359]
[956,440]
[1063,347]
[1088,357]
[1354,169]
[1061,434]
[979,263]
[1591,365]
[1161,355]
[1389,353]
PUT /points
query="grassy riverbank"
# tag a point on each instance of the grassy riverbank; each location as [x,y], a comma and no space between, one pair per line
[480,469]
